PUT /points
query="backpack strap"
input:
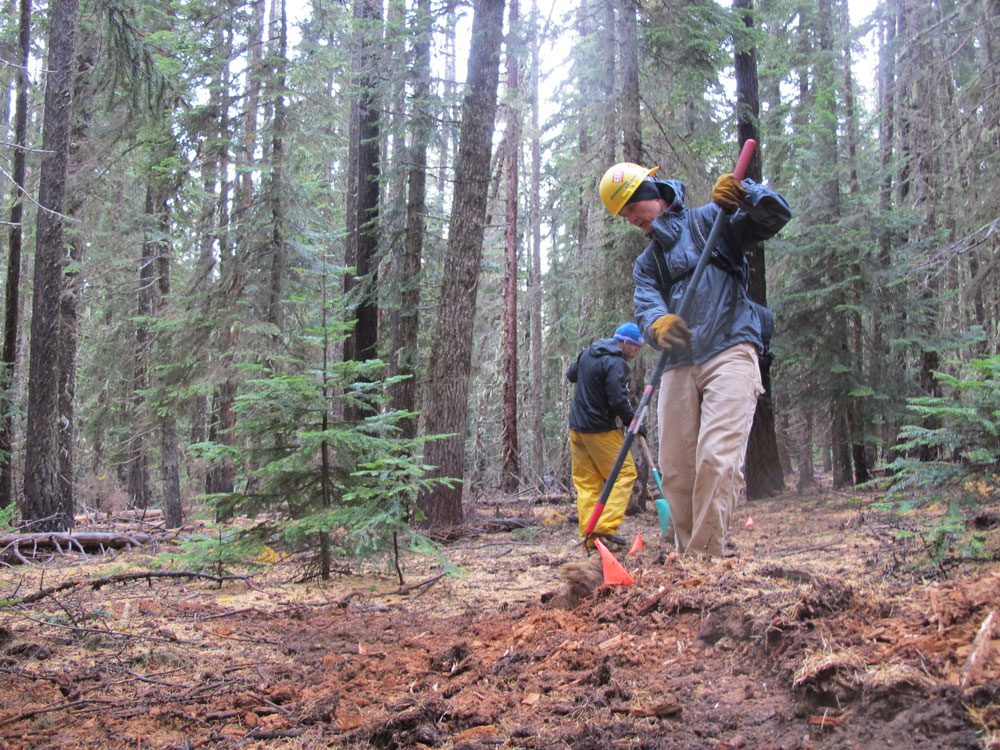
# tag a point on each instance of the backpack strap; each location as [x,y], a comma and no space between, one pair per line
[718,259]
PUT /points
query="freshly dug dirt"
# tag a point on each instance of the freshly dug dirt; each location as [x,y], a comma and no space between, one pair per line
[828,628]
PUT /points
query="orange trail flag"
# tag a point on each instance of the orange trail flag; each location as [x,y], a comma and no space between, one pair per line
[614,573]
[636,545]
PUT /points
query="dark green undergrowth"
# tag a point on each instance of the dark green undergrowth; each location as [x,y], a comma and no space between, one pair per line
[946,482]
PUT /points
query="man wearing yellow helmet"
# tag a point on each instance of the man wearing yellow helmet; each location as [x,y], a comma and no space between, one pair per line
[709,389]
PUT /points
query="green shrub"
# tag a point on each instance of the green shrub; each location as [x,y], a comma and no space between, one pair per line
[961,431]
[961,435]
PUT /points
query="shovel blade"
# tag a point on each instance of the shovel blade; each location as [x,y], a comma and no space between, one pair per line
[663,511]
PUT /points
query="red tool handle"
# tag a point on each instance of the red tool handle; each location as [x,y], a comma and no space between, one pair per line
[746,153]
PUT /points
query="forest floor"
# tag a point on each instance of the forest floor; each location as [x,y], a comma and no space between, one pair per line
[828,628]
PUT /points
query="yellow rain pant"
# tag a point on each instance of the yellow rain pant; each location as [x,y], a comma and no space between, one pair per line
[593,456]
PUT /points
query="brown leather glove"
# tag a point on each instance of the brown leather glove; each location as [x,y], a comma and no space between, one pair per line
[670,332]
[729,193]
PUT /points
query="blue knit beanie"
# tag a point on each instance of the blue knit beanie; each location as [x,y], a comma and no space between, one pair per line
[629,332]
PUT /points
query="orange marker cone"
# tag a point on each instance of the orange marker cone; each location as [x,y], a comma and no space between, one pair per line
[614,573]
[636,545]
[749,522]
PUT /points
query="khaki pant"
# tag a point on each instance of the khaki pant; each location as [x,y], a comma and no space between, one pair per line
[705,414]
[593,456]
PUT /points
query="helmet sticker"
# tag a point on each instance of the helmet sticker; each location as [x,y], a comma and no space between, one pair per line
[618,176]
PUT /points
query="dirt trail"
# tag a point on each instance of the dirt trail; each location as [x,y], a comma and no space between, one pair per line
[816,634]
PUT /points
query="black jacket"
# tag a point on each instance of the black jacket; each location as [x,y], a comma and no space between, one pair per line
[601,377]
[722,313]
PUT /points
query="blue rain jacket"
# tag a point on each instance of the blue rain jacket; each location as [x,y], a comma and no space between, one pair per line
[721,313]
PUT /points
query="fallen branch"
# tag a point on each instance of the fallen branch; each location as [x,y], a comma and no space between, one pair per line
[97,583]
[414,586]
[168,637]
[57,707]
[273,734]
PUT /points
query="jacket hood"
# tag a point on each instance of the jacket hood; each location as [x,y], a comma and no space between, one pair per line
[606,347]
[672,191]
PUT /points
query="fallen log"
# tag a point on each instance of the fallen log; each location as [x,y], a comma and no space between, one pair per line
[17,548]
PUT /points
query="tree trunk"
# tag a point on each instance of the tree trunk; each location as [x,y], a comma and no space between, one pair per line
[628,48]
[12,299]
[922,113]
[535,274]
[255,73]
[83,114]
[276,181]
[221,476]
[510,476]
[829,159]
[807,478]
[446,134]
[138,462]
[859,419]
[404,392]
[451,354]
[363,189]
[173,515]
[41,504]
[881,361]
[394,145]
[764,476]
[68,347]
[784,440]
[601,310]
[586,254]
[169,451]
[840,445]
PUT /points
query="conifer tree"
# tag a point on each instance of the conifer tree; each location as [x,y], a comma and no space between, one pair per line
[13,280]
[42,503]
[451,355]
[509,478]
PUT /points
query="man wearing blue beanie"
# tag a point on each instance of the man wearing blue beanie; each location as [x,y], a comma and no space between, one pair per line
[601,376]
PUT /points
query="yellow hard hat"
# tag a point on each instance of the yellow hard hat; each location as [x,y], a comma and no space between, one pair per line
[619,182]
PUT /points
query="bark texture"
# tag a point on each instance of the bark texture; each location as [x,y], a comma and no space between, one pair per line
[451,356]
[41,506]
[763,466]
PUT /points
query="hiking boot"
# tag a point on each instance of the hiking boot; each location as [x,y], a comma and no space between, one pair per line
[613,541]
